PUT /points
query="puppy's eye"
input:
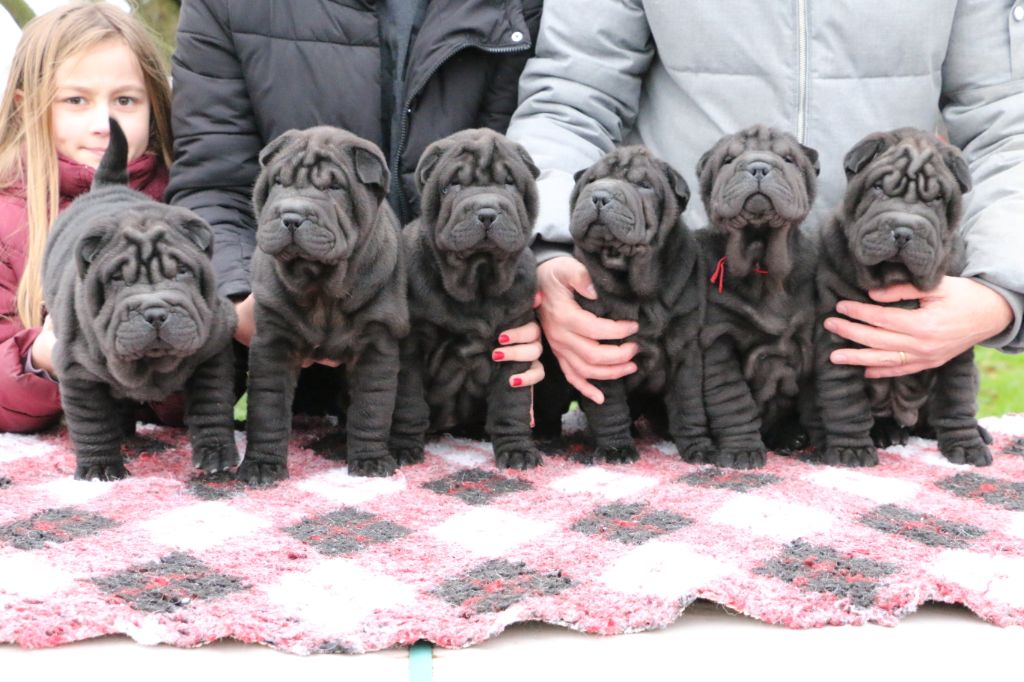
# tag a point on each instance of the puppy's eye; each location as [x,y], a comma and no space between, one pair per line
[277,180]
[451,187]
[117,277]
[183,271]
[878,186]
[643,183]
[335,185]
[729,158]
[788,158]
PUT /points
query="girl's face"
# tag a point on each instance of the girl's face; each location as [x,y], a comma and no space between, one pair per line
[103,81]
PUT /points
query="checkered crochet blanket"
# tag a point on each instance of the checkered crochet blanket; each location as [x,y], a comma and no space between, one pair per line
[453,550]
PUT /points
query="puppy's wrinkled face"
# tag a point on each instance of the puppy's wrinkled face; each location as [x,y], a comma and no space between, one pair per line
[479,199]
[902,207]
[755,183]
[317,189]
[622,210]
[149,287]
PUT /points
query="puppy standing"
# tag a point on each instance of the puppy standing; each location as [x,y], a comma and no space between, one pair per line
[131,292]
[627,228]
[758,186]
[328,282]
[898,224]
[471,275]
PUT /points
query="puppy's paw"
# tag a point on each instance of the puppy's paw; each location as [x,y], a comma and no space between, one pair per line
[101,471]
[212,457]
[696,451]
[408,455]
[262,472]
[385,465]
[623,454]
[886,432]
[967,453]
[863,456]
[518,458]
[742,458]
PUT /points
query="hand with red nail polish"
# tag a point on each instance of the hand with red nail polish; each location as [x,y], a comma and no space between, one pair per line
[522,344]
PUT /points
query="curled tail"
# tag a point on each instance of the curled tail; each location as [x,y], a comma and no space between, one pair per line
[113,168]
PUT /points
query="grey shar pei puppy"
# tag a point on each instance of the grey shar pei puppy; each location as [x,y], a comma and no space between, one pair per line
[129,286]
[758,186]
[627,228]
[328,282]
[898,223]
[471,276]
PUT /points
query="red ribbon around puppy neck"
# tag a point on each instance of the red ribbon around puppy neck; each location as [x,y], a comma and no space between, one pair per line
[718,276]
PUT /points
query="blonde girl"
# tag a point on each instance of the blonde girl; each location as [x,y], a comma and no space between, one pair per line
[74,67]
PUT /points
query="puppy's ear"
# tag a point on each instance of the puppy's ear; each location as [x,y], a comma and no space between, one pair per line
[863,152]
[276,145]
[705,178]
[961,171]
[199,233]
[528,160]
[812,156]
[371,169]
[427,163]
[85,254]
[678,185]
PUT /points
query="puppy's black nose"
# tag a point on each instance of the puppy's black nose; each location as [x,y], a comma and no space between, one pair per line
[292,220]
[902,235]
[600,198]
[486,216]
[759,169]
[155,315]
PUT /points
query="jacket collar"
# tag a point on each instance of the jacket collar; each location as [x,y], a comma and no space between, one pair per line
[76,178]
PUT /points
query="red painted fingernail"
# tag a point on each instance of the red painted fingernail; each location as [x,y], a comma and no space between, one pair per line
[516,381]
[504,338]
[497,355]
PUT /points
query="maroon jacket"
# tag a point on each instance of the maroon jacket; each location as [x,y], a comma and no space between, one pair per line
[29,402]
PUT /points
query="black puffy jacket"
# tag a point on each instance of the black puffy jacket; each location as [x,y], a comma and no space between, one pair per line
[245,71]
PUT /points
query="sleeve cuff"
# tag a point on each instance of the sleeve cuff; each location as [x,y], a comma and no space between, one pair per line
[1010,340]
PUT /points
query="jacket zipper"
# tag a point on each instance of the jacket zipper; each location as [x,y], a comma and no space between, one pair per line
[407,110]
[801,121]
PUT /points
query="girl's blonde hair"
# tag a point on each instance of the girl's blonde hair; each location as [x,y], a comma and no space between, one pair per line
[28,154]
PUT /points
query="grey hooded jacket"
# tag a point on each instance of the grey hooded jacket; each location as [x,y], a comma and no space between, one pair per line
[678,74]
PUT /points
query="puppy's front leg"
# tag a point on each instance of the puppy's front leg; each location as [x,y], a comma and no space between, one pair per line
[209,413]
[412,414]
[96,426]
[732,413]
[273,370]
[610,422]
[373,380]
[687,418]
[952,412]
[844,407]
[508,419]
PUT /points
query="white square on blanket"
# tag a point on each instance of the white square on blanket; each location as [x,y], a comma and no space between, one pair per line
[783,521]
[66,491]
[30,576]
[197,527]
[670,570]
[15,446]
[337,595]
[875,488]
[599,481]
[339,487]
[997,578]
[488,532]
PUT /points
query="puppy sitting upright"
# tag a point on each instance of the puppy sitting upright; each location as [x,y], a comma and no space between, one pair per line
[898,224]
[627,229]
[471,276]
[758,186]
[130,290]
[328,282]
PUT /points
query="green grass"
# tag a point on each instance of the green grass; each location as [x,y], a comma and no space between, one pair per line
[1002,382]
